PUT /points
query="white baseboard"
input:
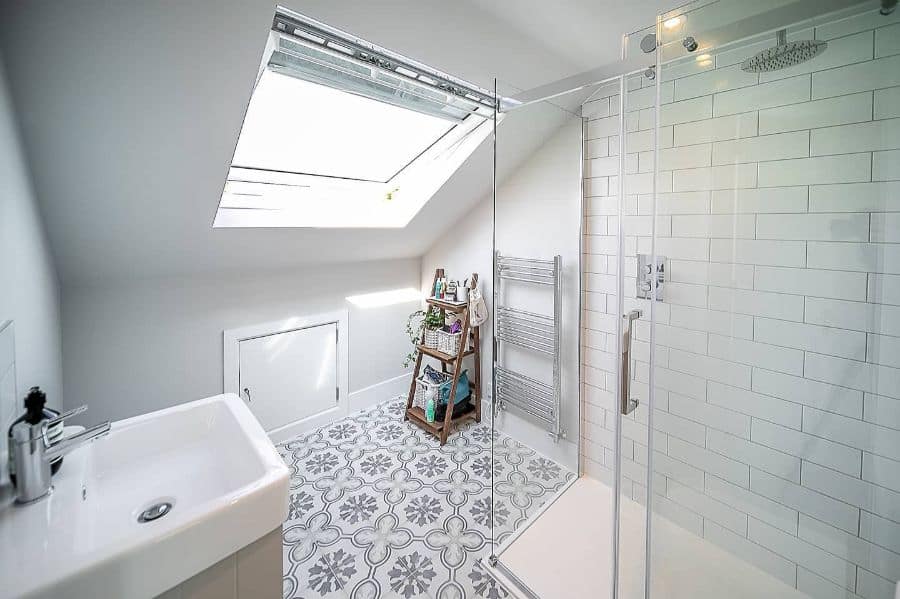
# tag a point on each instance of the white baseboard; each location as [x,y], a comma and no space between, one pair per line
[357,401]
[300,427]
[373,395]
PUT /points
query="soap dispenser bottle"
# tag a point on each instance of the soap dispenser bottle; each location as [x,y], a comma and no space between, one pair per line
[35,412]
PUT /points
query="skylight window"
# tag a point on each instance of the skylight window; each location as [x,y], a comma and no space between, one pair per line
[341,133]
[295,126]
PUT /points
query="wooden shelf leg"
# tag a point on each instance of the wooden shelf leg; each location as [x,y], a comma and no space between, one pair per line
[457,370]
[412,385]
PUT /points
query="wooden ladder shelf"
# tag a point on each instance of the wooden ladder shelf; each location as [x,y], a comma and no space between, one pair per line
[469,345]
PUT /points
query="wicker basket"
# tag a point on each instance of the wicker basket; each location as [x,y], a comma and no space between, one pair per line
[423,389]
[431,338]
[449,342]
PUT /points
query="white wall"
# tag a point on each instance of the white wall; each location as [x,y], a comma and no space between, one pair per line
[140,345]
[29,293]
[777,422]
[130,147]
[538,213]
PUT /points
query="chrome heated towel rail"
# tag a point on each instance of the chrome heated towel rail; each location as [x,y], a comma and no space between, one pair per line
[533,332]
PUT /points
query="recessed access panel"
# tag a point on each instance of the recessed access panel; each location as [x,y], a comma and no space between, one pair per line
[291,377]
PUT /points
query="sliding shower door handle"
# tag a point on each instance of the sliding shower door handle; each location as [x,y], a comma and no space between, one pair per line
[628,404]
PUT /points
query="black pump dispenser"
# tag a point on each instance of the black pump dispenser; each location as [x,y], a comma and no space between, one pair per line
[34,405]
[36,410]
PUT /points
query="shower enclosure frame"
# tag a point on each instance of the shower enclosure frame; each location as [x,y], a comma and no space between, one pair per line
[492,563]
[668,50]
[618,71]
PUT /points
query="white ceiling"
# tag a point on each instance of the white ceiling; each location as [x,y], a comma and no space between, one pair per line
[130,111]
[588,33]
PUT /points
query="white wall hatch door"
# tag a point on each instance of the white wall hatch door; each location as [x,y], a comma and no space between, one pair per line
[291,377]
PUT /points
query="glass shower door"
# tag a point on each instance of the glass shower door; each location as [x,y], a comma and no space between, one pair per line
[599,220]
[633,188]
[535,296]
[775,465]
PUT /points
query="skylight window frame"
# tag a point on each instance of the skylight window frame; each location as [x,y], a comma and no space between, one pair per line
[289,23]
[324,201]
[368,71]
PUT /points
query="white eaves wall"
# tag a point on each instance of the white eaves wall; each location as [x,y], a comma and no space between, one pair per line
[129,113]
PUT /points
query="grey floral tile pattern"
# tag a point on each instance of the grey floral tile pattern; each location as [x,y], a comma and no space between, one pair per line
[379,510]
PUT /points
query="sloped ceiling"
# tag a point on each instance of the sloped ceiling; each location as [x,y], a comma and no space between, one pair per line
[130,110]
[586,32]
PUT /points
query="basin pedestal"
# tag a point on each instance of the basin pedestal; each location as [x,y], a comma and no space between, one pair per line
[254,572]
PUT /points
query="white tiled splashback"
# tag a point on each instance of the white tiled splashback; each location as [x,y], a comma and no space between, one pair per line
[7,389]
[777,428]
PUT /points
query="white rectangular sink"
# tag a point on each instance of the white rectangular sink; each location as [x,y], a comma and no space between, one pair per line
[210,459]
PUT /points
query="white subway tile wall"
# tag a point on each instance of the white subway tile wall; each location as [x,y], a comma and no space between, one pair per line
[777,349]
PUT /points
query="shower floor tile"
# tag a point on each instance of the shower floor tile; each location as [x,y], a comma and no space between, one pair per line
[379,510]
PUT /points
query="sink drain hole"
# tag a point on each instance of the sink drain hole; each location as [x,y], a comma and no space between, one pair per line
[155,511]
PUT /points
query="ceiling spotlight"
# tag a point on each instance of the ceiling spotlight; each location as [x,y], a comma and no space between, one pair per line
[673,22]
[690,44]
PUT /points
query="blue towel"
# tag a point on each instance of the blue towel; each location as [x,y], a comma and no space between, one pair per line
[462,389]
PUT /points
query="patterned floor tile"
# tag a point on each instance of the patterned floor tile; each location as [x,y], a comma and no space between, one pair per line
[424,511]
[358,509]
[379,510]
[333,569]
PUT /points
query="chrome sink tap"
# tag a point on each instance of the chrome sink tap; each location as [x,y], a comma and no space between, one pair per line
[35,451]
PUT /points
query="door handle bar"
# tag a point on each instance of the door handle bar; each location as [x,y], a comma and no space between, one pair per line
[628,404]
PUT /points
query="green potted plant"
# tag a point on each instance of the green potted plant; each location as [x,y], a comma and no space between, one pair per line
[430,321]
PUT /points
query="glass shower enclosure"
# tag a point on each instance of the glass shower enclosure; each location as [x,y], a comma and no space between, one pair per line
[728,327]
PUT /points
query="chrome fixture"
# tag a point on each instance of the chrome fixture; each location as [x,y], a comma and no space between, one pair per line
[646,271]
[628,405]
[533,332]
[650,73]
[690,44]
[887,7]
[783,55]
[35,451]
[155,512]
[648,43]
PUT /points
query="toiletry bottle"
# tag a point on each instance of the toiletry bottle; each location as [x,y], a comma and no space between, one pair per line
[429,410]
[35,411]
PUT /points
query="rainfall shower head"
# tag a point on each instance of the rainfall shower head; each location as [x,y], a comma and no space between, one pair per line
[785,54]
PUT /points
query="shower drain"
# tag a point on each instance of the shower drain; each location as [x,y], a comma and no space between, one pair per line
[155,511]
